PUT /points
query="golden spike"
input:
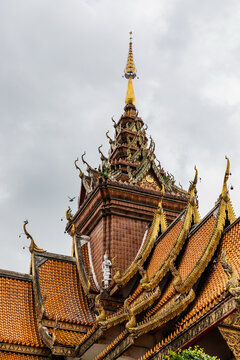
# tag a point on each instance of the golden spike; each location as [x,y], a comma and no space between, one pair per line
[225,194]
[192,187]
[78,168]
[130,70]
[33,247]
[130,97]
[130,73]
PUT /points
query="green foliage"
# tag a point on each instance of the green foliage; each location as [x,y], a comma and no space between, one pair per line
[190,354]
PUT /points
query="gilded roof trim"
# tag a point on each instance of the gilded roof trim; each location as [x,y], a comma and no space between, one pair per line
[225,211]
[165,315]
[191,213]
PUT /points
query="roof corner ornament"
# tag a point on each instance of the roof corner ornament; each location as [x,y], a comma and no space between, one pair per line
[78,168]
[130,73]
[114,122]
[89,168]
[99,308]
[33,247]
[106,271]
[177,283]
[104,171]
[132,322]
[47,337]
[225,193]
[88,184]
[117,276]
[192,188]
[69,214]
[233,283]
[144,281]
[83,177]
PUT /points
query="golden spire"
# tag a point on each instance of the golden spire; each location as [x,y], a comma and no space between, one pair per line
[130,73]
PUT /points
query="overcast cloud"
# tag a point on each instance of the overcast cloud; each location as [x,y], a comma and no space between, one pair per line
[61,64]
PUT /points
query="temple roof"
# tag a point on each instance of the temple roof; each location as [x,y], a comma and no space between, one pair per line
[59,285]
[213,290]
[18,324]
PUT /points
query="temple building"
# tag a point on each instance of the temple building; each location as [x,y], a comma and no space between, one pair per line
[146,273]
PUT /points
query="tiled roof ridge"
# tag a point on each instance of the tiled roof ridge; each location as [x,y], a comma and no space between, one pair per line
[189,212]
[212,243]
[181,215]
[203,220]
[15,275]
[58,257]
[229,227]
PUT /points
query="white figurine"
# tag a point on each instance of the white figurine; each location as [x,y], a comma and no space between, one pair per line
[106,271]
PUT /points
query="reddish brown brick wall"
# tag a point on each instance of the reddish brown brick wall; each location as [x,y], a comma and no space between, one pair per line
[126,238]
[97,249]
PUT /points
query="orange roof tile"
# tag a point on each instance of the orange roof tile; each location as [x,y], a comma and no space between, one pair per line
[163,248]
[213,290]
[17,316]
[64,296]
[68,338]
[196,245]
[16,356]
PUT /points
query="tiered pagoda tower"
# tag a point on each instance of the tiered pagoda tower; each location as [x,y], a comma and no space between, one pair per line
[118,201]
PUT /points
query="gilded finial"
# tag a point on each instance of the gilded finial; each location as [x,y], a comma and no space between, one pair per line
[84,162]
[33,247]
[130,73]
[130,70]
[69,215]
[192,187]
[225,194]
[78,168]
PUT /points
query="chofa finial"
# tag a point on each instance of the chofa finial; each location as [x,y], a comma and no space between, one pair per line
[33,247]
[192,187]
[225,194]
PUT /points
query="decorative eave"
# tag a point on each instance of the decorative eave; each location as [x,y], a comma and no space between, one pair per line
[23,349]
[186,337]
[121,188]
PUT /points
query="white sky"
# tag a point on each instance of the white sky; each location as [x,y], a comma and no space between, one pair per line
[61,66]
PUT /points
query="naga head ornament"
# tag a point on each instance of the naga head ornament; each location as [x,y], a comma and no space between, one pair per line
[78,168]
[33,247]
